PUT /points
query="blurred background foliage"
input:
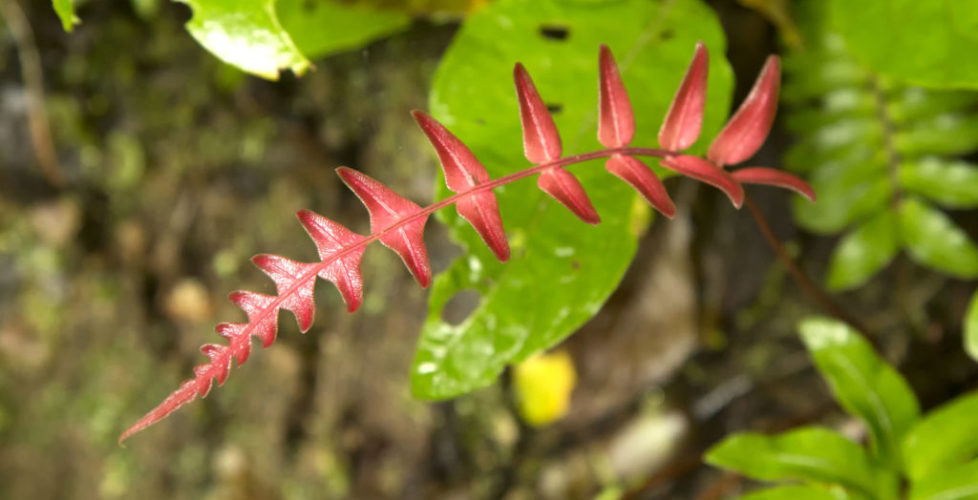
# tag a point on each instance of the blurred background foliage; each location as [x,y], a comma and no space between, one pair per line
[138,173]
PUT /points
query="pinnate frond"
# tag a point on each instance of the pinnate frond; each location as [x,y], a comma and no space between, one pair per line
[399,223]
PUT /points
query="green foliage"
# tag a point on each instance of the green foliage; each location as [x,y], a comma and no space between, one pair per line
[935,454]
[864,251]
[932,239]
[971,328]
[66,12]
[263,37]
[808,454]
[797,493]
[863,384]
[958,483]
[880,154]
[324,27]
[891,35]
[945,437]
[561,271]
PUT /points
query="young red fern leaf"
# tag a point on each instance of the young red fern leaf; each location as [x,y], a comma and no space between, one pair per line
[399,223]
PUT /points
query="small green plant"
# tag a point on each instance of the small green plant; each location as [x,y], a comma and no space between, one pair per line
[929,457]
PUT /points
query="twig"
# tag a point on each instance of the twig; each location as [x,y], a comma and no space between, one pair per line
[808,287]
[30,68]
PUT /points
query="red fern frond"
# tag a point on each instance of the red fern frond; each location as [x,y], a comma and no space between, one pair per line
[640,177]
[399,223]
[746,130]
[463,171]
[683,121]
[541,141]
[616,120]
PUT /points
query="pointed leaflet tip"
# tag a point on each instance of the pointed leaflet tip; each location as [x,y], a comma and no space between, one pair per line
[482,211]
[683,121]
[565,188]
[294,282]
[541,141]
[186,393]
[262,316]
[702,170]
[387,209]
[772,177]
[463,172]
[616,124]
[343,271]
[640,177]
[745,132]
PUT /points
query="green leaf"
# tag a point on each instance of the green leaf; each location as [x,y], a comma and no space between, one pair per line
[808,454]
[562,270]
[65,9]
[949,133]
[946,436]
[323,27]
[929,43]
[864,384]
[958,483]
[971,328]
[948,182]
[932,239]
[914,103]
[797,493]
[246,34]
[846,193]
[864,251]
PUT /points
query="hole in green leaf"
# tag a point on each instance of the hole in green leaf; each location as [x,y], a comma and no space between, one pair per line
[666,35]
[555,108]
[460,306]
[555,32]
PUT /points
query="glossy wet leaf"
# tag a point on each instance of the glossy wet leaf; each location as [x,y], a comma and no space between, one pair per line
[246,34]
[945,437]
[927,43]
[323,27]
[811,454]
[932,239]
[863,384]
[561,270]
[864,252]
[953,483]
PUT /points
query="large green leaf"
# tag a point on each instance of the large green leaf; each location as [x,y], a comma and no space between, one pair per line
[946,436]
[932,239]
[322,27]
[971,328]
[864,251]
[246,34]
[66,12]
[951,183]
[928,43]
[956,483]
[864,384]
[797,493]
[809,454]
[562,270]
